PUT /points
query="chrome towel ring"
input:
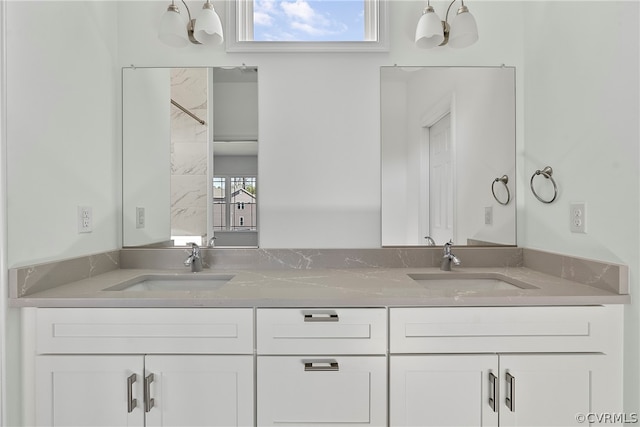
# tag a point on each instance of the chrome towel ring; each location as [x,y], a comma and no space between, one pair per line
[546,172]
[504,179]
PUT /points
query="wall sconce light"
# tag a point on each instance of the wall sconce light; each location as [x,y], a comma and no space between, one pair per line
[205,29]
[432,32]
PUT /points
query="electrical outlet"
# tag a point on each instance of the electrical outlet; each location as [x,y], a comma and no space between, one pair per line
[578,217]
[85,219]
[488,215]
[139,217]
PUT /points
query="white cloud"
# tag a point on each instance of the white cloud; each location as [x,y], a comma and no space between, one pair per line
[299,10]
[264,12]
[261,18]
[305,18]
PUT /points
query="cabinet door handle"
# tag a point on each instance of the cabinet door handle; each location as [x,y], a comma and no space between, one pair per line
[148,401]
[510,400]
[321,367]
[131,402]
[493,389]
[321,318]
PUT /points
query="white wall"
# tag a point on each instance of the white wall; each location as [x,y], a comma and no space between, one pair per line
[395,196]
[319,117]
[62,128]
[581,118]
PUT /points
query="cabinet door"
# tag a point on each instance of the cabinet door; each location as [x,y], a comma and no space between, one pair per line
[200,390]
[89,391]
[551,390]
[443,390]
[322,391]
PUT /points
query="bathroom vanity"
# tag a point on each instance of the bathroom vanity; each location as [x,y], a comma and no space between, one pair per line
[376,346]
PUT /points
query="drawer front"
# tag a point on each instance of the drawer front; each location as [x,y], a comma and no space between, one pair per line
[145,330]
[320,391]
[504,329]
[322,331]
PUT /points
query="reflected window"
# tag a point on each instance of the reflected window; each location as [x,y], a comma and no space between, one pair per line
[235,203]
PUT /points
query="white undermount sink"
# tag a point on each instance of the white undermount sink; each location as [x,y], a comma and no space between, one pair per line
[172,282]
[468,281]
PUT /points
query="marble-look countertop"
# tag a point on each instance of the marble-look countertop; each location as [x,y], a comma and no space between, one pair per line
[322,287]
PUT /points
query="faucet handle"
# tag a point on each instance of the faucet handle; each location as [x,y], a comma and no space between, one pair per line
[195,249]
[447,248]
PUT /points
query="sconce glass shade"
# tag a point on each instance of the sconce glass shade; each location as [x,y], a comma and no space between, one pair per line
[464,31]
[429,32]
[208,28]
[173,28]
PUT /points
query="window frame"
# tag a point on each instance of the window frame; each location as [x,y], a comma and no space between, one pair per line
[228,214]
[239,32]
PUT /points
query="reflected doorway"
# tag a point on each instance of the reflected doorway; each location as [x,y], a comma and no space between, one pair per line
[440,180]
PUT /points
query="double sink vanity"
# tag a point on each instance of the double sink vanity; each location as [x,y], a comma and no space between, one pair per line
[378,337]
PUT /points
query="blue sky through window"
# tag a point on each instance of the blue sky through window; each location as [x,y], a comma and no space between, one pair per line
[308,20]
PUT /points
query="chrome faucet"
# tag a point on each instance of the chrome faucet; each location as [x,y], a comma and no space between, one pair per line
[194,260]
[430,241]
[448,257]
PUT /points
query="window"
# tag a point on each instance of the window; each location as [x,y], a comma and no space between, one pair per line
[307,25]
[234,203]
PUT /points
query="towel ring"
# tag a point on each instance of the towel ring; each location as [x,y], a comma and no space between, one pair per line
[546,172]
[504,179]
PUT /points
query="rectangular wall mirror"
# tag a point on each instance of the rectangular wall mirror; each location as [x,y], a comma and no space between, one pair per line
[448,155]
[190,156]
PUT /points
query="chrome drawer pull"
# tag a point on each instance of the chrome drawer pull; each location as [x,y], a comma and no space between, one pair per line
[131,402]
[510,400]
[325,367]
[492,398]
[321,318]
[148,401]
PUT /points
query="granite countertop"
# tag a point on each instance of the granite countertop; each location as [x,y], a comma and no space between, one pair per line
[320,287]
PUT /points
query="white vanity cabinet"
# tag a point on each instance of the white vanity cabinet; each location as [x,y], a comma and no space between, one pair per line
[318,367]
[136,367]
[508,366]
[397,366]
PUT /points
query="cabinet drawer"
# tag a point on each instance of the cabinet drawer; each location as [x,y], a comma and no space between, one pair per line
[503,329]
[320,391]
[322,331]
[145,330]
